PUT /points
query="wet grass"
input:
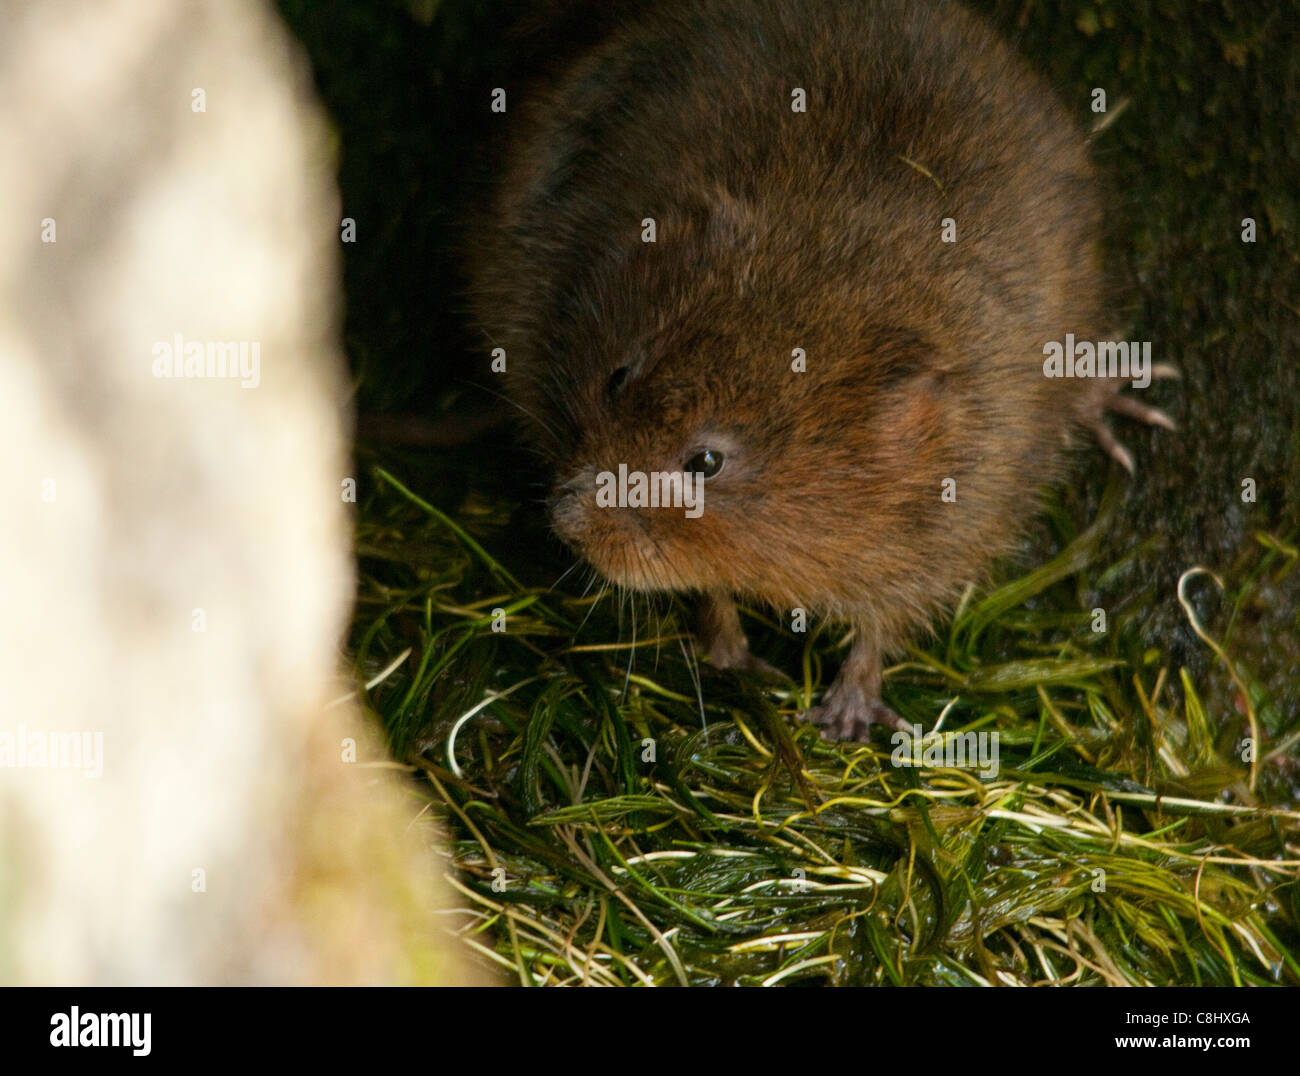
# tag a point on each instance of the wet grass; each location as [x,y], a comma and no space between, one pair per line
[620,813]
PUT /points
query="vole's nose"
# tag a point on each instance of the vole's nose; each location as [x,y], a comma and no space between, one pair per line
[568,508]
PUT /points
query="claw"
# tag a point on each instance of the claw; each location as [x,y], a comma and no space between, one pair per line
[1112,447]
[1153,416]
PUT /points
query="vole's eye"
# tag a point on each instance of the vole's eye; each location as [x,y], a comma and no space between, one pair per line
[706,462]
[615,382]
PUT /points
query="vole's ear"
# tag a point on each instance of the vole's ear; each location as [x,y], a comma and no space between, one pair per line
[899,355]
[717,218]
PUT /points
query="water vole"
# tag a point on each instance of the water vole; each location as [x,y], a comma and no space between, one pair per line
[840,322]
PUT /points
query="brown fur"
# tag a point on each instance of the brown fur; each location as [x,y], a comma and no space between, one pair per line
[779,230]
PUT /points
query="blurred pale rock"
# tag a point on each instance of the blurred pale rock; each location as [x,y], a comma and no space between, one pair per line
[137,508]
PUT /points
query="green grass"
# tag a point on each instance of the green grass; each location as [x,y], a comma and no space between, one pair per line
[1123,841]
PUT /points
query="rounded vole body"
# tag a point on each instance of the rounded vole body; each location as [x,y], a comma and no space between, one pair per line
[868,218]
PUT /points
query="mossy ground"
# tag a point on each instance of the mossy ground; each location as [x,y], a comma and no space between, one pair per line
[1129,835]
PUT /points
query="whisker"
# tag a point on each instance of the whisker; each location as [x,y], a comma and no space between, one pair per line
[631,659]
[693,670]
[564,574]
[543,423]
[592,608]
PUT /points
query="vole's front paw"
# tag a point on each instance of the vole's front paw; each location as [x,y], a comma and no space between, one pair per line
[723,640]
[846,714]
[751,663]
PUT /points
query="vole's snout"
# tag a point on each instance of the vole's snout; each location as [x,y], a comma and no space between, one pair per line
[568,507]
[613,539]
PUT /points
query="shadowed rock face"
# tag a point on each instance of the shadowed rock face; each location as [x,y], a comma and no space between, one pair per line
[176,545]
[1207,139]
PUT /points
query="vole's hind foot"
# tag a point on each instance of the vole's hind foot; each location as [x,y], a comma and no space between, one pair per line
[1126,405]
[849,715]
